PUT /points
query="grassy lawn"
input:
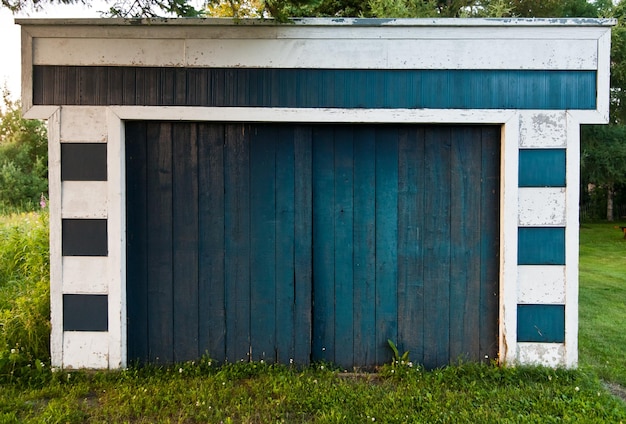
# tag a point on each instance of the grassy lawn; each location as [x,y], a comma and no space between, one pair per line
[602,303]
[205,392]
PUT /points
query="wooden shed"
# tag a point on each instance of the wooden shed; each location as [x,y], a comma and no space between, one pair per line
[304,192]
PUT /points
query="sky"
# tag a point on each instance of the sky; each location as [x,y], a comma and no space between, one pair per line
[10,57]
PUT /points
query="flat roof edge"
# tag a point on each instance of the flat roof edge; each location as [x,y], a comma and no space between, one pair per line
[365,22]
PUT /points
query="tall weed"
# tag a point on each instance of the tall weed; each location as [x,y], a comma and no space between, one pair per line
[24,294]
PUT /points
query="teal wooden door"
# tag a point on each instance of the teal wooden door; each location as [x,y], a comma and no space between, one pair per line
[312,242]
[405,243]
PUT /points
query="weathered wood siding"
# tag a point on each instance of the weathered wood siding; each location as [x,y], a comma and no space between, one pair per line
[311,88]
[312,242]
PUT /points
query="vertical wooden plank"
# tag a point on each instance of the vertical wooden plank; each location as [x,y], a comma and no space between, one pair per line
[263,241]
[364,246]
[323,244]
[386,240]
[185,240]
[71,87]
[437,247]
[136,239]
[130,83]
[212,313]
[116,86]
[160,278]
[344,245]
[285,246]
[303,249]
[490,243]
[465,177]
[410,222]
[168,81]
[152,86]
[237,241]
[180,87]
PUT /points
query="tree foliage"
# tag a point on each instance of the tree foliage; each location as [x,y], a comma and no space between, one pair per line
[23,158]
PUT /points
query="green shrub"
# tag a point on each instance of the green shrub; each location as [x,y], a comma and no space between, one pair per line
[23,158]
[24,294]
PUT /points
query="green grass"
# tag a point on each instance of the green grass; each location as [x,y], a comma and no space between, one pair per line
[602,301]
[203,392]
[260,393]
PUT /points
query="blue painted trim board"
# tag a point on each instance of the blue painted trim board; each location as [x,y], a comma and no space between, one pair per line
[309,88]
[541,246]
[541,323]
[542,168]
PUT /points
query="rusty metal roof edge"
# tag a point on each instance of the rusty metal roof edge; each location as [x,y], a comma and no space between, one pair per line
[365,22]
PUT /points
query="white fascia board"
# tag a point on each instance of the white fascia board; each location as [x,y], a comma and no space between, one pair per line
[304,115]
[315,53]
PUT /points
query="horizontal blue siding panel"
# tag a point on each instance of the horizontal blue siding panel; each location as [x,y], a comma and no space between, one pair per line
[541,246]
[541,323]
[542,168]
[314,88]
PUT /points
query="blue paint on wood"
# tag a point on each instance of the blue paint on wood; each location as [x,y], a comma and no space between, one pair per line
[386,240]
[136,242]
[364,253]
[237,241]
[84,237]
[542,168]
[185,242]
[211,221]
[465,237]
[346,212]
[285,286]
[303,244]
[541,323]
[490,243]
[437,247]
[411,192]
[83,162]
[541,246]
[160,240]
[344,246]
[355,88]
[263,264]
[323,245]
[85,312]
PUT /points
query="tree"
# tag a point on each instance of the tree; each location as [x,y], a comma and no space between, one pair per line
[23,158]
[603,160]
[603,148]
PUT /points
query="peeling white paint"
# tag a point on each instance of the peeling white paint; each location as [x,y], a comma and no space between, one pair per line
[544,129]
[541,284]
[542,206]
[85,349]
[83,124]
[546,354]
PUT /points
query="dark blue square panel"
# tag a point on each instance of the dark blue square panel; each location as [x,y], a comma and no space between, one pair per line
[85,312]
[83,161]
[541,323]
[541,246]
[542,168]
[84,237]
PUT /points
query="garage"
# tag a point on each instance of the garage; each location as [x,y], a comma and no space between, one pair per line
[317,242]
[250,190]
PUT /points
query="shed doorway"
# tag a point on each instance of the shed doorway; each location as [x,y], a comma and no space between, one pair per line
[307,242]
